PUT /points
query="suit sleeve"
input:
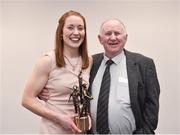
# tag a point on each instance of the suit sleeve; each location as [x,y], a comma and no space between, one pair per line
[151,105]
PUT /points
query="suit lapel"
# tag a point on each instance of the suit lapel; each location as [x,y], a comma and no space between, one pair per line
[132,71]
[97,59]
[132,76]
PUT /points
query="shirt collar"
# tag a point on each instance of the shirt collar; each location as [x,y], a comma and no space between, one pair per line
[117,59]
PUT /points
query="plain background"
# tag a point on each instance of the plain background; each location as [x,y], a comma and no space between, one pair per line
[27,31]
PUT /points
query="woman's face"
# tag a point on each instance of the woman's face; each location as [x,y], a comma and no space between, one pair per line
[73,31]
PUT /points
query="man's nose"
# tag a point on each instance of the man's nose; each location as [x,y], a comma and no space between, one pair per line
[113,37]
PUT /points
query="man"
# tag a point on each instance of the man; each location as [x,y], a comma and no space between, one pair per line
[134,89]
[130,102]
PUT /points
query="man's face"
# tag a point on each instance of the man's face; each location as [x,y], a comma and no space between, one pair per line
[113,37]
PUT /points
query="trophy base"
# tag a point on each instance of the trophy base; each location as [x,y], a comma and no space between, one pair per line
[82,123]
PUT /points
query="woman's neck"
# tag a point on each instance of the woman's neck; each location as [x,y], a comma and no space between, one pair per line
[71,52]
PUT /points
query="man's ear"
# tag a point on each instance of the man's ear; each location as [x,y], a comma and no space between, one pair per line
[99,37]
[126,36]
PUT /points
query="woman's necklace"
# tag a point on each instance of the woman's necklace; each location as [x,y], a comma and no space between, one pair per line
[72,65]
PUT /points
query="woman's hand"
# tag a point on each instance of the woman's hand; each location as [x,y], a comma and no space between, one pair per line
[90,122]
[68,123]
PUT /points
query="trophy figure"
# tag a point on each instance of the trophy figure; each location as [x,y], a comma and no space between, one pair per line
[81,100]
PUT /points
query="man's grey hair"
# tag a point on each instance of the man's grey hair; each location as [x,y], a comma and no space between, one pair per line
[124,28]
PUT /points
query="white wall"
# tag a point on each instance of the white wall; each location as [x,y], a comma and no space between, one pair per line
[179,58]
[0,64]
[29,29]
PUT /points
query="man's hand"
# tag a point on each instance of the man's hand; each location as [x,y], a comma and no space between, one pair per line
[44,95]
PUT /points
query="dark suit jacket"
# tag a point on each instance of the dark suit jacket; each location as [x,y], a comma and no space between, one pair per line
[143,88]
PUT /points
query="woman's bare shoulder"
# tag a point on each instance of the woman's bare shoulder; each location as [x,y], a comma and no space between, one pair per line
[43,64]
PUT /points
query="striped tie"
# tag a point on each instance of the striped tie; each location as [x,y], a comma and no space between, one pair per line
[102,124]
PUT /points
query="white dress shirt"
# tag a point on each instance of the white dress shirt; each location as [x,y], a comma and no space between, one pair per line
[121,118]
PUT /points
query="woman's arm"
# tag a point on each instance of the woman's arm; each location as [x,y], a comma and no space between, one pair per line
[35,84]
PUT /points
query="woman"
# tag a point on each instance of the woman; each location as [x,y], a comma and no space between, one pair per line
[58,72]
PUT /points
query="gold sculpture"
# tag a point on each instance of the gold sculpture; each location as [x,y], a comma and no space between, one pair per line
[81,100]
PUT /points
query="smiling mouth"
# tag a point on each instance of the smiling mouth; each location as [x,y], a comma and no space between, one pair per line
[113,44]
[75,39]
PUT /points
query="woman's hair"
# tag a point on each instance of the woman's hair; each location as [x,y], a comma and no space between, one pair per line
[59,43]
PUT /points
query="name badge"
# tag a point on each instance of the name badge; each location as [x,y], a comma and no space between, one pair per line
[124,80]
